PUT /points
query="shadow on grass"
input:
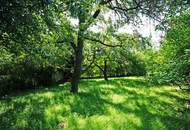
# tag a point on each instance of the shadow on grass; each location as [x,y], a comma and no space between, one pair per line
[133,101]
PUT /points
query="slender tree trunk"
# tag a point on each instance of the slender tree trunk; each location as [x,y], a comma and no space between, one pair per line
[105,70]
[77,62]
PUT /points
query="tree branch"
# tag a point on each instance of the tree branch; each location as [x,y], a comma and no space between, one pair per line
[73,45]
[103,2]
[99,67]
[97,12]
[99,41]
[124,9]
[93,59]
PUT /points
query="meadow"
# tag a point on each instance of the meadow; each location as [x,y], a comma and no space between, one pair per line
[129,103]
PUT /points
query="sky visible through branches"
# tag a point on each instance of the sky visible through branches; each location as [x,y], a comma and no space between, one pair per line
[147,28]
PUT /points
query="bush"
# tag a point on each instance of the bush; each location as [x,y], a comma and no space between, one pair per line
[171,64]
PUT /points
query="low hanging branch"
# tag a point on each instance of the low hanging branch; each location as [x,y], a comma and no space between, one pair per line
[99,41]
[98,67]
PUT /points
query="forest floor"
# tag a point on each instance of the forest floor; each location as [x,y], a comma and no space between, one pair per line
[118,104]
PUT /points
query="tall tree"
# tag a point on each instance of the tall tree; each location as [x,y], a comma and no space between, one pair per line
[87,12]
[20,15]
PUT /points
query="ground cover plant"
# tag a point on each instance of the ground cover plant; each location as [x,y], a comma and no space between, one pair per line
[118,104]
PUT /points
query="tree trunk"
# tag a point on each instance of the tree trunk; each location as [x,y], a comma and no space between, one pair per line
[105,70]
[79,49]
[77,63]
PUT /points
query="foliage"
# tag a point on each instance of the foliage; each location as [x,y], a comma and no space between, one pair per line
[38,41]
[125,11]
[172,62]
[120,56]
[33,52]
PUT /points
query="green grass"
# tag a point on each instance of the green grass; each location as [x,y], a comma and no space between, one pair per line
[119,104]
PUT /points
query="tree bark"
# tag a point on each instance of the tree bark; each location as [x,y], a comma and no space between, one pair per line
[77,62]
[79,49]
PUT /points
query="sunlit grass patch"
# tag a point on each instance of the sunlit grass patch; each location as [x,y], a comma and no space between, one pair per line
[117,104]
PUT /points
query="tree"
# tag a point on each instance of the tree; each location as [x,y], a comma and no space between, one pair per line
[87,13]
[119,58]
[173,60]
[23,21]
[34,45]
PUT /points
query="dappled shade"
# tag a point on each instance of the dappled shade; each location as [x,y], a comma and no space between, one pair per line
[123,103]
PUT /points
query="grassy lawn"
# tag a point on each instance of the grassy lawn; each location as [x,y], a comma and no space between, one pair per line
[119,104]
